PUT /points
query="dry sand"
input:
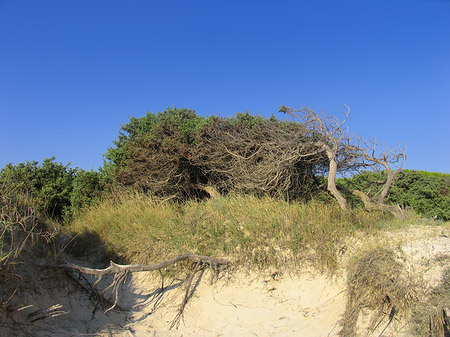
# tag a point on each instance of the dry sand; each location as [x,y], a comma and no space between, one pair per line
[242,304]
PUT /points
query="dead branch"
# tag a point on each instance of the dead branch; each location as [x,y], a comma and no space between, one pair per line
[330,137]
[272,158]
[383,162]
[187,295]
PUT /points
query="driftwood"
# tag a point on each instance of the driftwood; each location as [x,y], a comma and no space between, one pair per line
[121,273]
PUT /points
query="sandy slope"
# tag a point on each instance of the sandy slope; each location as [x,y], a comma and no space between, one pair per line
[301,304]
[249,306]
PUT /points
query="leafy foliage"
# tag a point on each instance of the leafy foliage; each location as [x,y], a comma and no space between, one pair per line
[87,186]
[53,189]
[428,193]
[169,127]
[49,185]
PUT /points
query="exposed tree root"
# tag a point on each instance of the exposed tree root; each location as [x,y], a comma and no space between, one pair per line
[121,273]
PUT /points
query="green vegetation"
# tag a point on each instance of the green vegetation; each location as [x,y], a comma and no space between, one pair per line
[48,185]
[427,193]
[54,190]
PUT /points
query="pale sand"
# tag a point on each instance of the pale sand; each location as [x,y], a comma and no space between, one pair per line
[249,306]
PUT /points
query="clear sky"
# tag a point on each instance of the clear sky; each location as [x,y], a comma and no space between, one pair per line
[73,71]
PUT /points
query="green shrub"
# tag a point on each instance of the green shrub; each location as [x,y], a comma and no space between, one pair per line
[49,185]
[87,186]
[428,193]
[177,125]
[55,190]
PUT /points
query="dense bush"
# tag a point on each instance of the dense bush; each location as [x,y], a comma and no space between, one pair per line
[428,193]
[179,154]
[55,190]
[87,186]
[49,185]
[174,125]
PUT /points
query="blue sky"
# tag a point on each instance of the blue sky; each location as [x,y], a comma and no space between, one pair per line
[71,72]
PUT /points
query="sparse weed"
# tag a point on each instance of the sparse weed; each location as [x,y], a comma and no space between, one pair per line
[17,222]
[431,316]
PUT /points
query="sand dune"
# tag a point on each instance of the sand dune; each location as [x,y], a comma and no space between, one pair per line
[304,303]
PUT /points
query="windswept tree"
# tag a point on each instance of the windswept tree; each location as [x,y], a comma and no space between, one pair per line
[328,135]
[387,165]
[351,154]
[179,154]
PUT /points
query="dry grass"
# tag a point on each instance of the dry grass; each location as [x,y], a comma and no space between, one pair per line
[377,281]
[431,315]
[251,231]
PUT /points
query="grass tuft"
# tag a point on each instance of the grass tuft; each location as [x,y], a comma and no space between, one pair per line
[431,316]
[377,281]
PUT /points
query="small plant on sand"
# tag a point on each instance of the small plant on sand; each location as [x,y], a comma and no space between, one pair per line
[431,316]
[377,281]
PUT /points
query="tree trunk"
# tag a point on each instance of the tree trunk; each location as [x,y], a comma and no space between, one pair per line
[387,185]
[332,182]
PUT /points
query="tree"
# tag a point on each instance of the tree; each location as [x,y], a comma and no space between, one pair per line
[382,164]
[178,154]
[349,154]
[329,136]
